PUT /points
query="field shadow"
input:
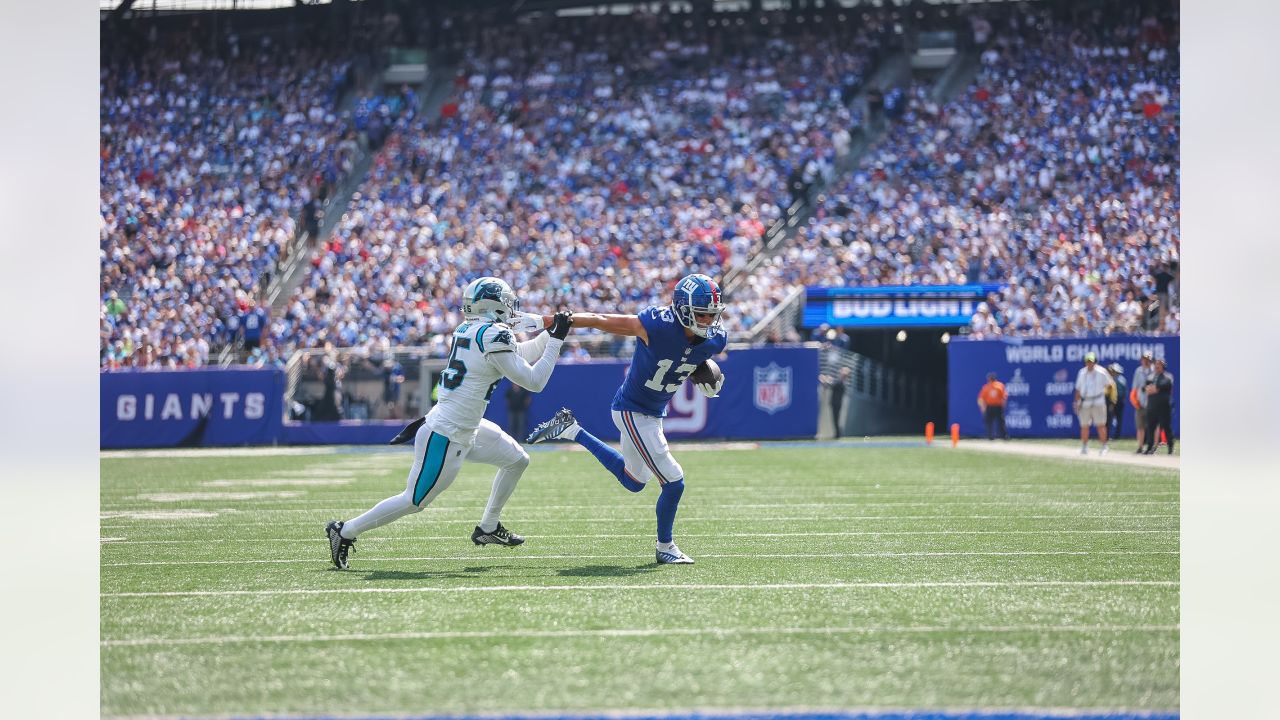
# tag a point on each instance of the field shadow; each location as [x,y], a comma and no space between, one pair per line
[466,572]
[607,570]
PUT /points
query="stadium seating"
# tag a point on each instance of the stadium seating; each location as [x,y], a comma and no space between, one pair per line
[590,168]
[205,164]
[592,161]
[1056,172]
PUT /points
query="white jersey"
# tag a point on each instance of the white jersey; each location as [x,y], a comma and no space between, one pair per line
[483,353]
[1093,385]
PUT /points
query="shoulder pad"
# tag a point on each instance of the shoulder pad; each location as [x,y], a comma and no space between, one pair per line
[496,337]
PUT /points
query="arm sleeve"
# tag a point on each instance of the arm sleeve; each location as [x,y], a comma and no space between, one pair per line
[532,377]
[653,318]
[531,350]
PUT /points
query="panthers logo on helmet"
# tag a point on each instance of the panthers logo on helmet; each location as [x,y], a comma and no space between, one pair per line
[490,298]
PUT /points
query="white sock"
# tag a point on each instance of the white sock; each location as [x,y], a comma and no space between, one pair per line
[504,483]
[389,510]
[572,432]
[665,546]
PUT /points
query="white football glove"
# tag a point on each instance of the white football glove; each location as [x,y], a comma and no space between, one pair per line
[527,323]
[709,389]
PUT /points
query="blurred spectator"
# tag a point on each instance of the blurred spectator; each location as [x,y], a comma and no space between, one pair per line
[329,409]
[1092,384]
[518,401]
[1141,378]
[1116,401]
[392,386]
[991,402]
[836,386]
[1159,390]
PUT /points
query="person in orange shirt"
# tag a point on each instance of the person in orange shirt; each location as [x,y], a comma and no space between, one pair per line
[991,400]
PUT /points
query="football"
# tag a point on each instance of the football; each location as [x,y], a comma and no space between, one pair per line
[707,372]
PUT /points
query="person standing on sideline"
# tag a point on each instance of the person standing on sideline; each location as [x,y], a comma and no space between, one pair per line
[1141,377]
[837,385]
[991,400]
[1159,392]
[1091,401]
[1115,406]
[518,401]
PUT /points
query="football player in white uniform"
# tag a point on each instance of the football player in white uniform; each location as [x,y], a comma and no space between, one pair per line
[484,351]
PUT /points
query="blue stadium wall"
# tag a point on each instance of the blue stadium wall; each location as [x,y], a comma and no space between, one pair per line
[1040,377]
[768,393]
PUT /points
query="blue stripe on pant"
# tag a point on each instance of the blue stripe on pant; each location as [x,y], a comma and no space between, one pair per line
[432,464]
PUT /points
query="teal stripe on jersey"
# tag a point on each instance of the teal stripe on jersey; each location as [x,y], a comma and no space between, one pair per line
[432,464]
[480,336]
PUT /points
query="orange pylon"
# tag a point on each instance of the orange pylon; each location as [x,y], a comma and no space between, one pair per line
[928,433]
[955,434]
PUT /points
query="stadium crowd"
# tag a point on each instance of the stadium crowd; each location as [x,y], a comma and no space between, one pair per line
[583,161]
[207,160]
[591,161]
[1056,173]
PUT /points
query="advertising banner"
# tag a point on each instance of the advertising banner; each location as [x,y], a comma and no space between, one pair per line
[894,305]
[190,408]
[1040,377]
[769,392]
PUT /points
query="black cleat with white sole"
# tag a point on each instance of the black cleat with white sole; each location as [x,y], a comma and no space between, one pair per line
[338,545]
[500,536]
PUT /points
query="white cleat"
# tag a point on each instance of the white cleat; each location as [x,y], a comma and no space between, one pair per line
[1103,451]
[673,557]
[552,429]
[1084,449]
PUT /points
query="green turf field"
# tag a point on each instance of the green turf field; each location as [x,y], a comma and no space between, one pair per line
[826,578]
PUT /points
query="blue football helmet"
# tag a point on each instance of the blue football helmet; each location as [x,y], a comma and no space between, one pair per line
[697,295]
[489,298]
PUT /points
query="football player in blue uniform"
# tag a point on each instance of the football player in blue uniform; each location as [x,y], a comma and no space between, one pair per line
[672,342]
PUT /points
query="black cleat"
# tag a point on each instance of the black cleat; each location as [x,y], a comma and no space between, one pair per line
[500,536]
[338,545]
[553,428]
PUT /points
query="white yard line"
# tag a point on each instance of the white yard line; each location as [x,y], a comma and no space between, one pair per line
[561,520]
[635,632]
[650,586]
[1122,454]
[330,506]
[520,556]
[790,712]
[215,452]
[329,479]
[606,536]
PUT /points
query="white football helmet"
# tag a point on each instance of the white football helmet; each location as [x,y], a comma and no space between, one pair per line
[489,298]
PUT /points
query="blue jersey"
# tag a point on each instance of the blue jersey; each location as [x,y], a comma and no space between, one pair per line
[659,367]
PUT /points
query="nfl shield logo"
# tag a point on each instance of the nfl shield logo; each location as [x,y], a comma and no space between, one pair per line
[772,388]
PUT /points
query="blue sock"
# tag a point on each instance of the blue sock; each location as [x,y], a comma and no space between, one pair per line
[611,459]
[668,501]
